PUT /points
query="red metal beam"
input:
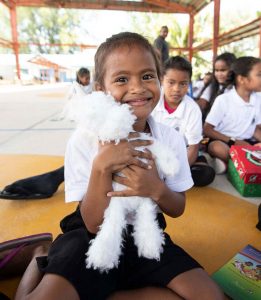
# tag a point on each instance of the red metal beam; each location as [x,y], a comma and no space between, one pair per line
[216,27]
[58,45]
[85,46]
[5,43]
[15,38]
[259,36]
[6,2]
[99,5]
[191,36]
[171,6]
[179,48]
[164,6]
[250,29]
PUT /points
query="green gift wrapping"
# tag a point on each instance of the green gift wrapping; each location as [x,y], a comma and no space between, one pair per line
[245,189]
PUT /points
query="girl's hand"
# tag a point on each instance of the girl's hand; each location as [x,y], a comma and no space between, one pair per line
[139,182]
[114,158]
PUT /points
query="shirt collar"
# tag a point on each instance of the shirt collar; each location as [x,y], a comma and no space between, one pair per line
[178,113]
[240,101]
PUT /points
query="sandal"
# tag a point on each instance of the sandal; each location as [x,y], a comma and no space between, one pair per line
[16,254]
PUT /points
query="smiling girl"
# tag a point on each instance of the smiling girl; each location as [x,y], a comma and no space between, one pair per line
[126,67]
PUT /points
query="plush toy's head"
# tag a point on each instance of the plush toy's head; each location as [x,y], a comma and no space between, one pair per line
[103,117]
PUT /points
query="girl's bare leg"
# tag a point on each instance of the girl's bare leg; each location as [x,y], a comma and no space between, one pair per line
[196,285]
[219,149]
[148,293]
[34,285]
[53,287]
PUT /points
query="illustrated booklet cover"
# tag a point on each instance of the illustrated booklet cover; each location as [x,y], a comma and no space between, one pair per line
[240,278]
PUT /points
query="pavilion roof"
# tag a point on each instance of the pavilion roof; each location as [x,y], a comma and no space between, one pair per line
[42,61]
[163,6]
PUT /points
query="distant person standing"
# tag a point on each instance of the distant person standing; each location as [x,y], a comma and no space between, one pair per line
[161,45]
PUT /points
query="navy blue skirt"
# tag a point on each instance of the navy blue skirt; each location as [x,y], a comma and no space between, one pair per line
[66,258]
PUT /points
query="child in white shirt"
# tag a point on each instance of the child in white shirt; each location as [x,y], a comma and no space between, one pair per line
[235,117]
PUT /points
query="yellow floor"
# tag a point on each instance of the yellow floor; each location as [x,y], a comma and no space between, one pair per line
[213,228]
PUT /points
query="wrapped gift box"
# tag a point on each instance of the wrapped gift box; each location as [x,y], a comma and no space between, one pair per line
[244,170]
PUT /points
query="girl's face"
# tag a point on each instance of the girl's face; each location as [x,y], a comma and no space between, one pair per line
[85,79]
[253,80]
[175,85]
[131,77]
[221,71]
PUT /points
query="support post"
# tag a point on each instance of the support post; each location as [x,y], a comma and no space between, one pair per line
[191,36]
[260,38]
[15,38]
[216,27]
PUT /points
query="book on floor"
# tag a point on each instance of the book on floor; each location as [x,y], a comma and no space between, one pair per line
[240,277]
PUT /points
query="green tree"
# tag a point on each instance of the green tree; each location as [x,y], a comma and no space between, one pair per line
[48,26]
[5,28]
[149,25]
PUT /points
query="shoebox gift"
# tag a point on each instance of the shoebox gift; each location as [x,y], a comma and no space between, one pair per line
[244,170]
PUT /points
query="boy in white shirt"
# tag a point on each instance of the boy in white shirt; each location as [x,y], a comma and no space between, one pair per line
[176,109]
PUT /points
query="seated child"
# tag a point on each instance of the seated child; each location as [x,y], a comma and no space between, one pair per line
[235,117]
[176,109]
[219,82]
[126,66]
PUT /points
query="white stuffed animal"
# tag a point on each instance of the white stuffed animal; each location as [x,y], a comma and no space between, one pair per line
[103,119]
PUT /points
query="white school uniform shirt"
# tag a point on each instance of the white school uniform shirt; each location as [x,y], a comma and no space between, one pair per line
[197,88]
[79,90]
[187,119]
[207,92]
[80,153]
[76,92]
[233,117]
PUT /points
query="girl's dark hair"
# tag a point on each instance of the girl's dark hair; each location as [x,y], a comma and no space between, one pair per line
[228,58]
[242,66]
[177,63]
[82,72]
[116,41]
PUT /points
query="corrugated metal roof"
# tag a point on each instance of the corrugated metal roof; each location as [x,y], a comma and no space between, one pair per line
[163,6]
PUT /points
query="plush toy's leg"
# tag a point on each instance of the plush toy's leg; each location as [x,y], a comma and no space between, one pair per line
[148,237]
[105,249]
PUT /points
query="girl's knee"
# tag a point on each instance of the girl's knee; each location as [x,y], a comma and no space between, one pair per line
[196,285]
[218,149]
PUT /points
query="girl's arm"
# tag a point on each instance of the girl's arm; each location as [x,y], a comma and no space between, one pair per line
[203,104]
[204,98]
[111,158]
[257,133]
[210,132]
[192,153]
[171,203]
[146,183]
